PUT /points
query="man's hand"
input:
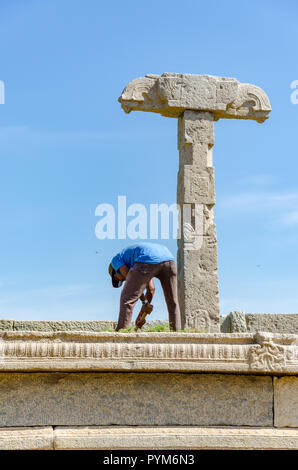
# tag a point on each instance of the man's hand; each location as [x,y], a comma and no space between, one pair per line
[147,308]
[141,318]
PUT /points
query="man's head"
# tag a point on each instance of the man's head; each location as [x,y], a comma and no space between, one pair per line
[117,278]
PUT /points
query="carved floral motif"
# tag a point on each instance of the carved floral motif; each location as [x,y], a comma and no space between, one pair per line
[269,356]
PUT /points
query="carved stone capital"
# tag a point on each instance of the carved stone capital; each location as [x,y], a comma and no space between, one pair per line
[170,94]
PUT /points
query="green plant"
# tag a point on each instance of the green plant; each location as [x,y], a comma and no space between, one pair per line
[108,329]
[157,327]
[191,330]
[130,329]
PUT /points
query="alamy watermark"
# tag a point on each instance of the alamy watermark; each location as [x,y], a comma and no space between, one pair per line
[164,221]
[294,94]
[2,92]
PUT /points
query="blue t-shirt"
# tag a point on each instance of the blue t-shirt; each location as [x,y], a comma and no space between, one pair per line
[150,253]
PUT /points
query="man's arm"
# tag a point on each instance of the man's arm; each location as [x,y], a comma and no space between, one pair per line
[147,306]
[150,289]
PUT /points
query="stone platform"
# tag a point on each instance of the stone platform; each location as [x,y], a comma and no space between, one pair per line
[104,390]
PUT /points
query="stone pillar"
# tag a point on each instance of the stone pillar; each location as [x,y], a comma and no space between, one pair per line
[196,100]
[197,247]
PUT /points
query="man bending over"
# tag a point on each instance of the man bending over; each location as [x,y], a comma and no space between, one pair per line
[138,265]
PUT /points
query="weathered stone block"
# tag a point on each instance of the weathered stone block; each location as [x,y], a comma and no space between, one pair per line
[253,322]
[286,402]
[238,322]
[225,324]
[135,399]
[275,323]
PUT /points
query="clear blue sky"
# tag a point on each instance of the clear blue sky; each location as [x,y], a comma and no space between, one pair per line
[66,146]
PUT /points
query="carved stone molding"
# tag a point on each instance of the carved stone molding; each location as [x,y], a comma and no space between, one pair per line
[81,351]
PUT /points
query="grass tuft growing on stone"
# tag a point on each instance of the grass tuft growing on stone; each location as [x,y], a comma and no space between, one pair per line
[156,327]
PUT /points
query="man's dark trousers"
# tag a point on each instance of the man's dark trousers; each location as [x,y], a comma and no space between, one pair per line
[137,279]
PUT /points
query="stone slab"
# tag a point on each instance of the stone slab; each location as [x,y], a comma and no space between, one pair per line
[176,438]
[22,438]
[147,437]
[286,402]
[135,399]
